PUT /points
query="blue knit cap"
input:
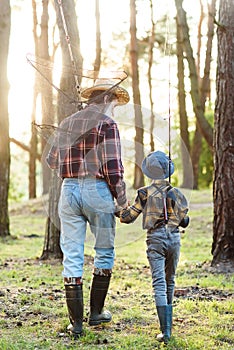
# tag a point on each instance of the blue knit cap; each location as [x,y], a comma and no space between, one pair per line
[156,166]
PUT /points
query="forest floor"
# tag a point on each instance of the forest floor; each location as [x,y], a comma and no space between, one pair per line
[33,313]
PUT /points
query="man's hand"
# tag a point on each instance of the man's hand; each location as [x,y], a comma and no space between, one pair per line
[119,208]
[127,204]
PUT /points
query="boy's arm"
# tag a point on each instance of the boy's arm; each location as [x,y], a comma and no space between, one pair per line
[131,214]
[184,222]
[179,206]
[183,212]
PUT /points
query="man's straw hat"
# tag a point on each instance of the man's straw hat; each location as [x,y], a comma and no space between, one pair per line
[104,85]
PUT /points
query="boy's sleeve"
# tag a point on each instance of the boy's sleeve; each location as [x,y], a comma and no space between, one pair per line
[180,206]
[131,214]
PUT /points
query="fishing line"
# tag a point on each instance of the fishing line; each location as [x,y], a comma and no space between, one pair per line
[40,64]
[167,49]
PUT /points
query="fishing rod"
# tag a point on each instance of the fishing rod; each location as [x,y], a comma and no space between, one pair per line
[36,62]
[74,62]
[35,66]
[168,45]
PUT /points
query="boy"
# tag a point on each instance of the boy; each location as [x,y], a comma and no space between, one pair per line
[164,209]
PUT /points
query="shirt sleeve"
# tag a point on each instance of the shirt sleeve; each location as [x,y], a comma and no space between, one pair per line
[112,166]
[131,214]
[53,155]
[179,203]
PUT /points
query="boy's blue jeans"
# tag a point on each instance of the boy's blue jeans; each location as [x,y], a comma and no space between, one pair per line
[82,201]
[163,254]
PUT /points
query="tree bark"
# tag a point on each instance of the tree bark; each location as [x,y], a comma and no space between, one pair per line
[51,248]
[32,185]
[5,26]
[97,63]
[24,147]
[195,153]
[139,150]
[204,91]
[196,148]
[46,89]
[184,134]
[204,126]
[223,189]
[64,108]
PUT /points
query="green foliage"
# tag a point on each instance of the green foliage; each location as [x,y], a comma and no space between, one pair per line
[14,195]
[18,176]
[206,165]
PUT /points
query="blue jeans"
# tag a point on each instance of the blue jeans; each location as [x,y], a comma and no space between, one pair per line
[82,201]
[163,251]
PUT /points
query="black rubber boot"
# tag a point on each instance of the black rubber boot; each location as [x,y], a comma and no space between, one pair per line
[75,306]
[98,294]
[165,320]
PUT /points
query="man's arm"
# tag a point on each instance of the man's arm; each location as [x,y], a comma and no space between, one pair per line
[53,154]
[112,164]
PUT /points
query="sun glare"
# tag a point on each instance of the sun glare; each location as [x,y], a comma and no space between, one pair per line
[114,20]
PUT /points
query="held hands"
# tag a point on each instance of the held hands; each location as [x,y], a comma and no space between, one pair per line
[119,209]
[128,204]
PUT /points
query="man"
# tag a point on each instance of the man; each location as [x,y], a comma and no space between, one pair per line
[87,155]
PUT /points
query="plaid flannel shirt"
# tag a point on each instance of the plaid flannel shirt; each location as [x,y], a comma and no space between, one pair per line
[88,144]
[149,201]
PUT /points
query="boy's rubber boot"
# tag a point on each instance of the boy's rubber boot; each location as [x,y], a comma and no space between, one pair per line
[165,320]
[100,285]
[75,306]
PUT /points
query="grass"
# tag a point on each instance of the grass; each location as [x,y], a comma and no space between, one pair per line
[33,312]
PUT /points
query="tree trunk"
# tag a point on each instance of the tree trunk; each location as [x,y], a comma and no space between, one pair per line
[204,126]
[43,88]
[65,108]
[46,90]
[97,62]
[5,26]
[184,134]
[32,192]
[51,248]
[196,148]
[204,91]
[199,36]
[223,189]
[32,185]
[139,150]
[205,82]
[68,84]
[24,147]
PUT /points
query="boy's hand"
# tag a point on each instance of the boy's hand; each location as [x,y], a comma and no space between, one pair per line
[127,204]
[184,222]
[117,213]
[120,209]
